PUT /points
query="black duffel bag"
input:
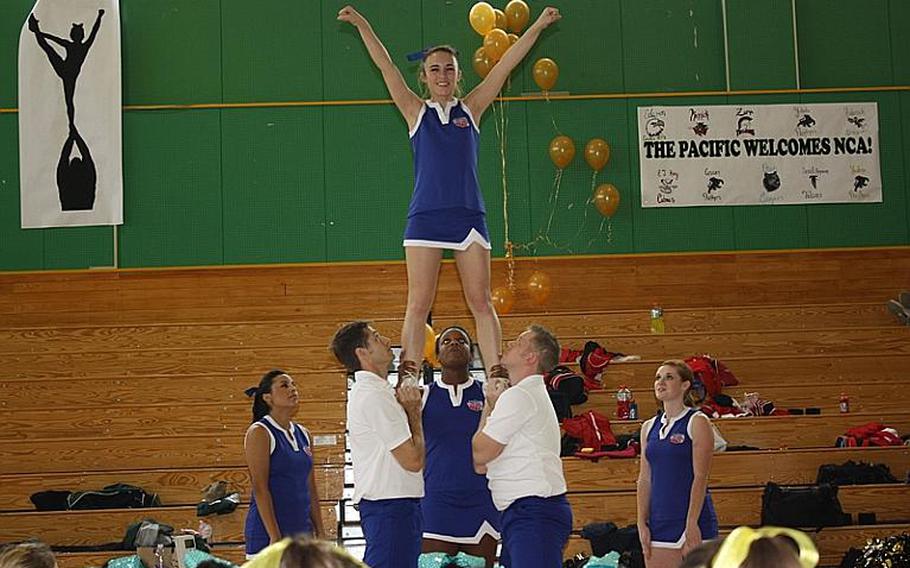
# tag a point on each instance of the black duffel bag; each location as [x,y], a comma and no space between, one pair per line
[855,473]
[802,507]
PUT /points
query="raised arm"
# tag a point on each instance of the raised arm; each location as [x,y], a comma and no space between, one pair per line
[408,103]
[91,36]
[483,94]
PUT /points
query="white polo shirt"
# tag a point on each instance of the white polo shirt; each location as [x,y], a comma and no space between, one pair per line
[377,424]
[529,465]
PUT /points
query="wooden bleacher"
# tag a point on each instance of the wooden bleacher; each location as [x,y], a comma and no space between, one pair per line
[138,375]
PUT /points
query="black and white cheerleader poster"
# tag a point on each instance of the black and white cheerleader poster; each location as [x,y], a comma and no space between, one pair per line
[70,114]
[759,154]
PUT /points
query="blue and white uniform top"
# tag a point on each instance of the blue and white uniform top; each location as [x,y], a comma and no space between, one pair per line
[445,142]
[457,506]
[669,455]
[290,464]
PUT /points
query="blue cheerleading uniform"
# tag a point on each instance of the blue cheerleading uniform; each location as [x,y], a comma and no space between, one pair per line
[457,505]
[290,464]
[669,455]
[447,209]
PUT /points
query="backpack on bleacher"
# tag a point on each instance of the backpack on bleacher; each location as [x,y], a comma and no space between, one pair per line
[116,496]
[854,473]
[711,374]
[813,506]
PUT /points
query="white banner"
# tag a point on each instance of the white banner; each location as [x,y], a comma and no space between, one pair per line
[70,162]
[759,154]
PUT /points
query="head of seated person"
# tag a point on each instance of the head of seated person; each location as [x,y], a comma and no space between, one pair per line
[32,554]
[305,552]
[767,547]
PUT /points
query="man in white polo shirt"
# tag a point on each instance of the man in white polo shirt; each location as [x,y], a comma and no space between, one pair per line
[387,448]
[517,446]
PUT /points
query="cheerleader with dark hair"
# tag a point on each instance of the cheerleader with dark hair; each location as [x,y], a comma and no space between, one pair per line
[280,460]
[458,510]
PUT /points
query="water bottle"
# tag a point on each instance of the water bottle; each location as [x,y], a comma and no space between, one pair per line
[633,411]
[623,402]
[657,319]
[844,403]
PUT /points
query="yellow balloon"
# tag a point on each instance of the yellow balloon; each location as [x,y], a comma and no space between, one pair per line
[495,44]
[482,18]
[503,299]
[606,199]
[517,14]
[481,62]
[501,21]
[562,151]
[545,73]
[597,153]
[539,287]
[429,346]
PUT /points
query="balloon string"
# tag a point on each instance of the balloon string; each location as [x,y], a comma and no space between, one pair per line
[546,95]
[501,126]
[554,200]
[588,202]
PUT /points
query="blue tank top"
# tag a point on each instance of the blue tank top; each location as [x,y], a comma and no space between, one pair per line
[445,161]
[289,476]
[448,426]
[672,473]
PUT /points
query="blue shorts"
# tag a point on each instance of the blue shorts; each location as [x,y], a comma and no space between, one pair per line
[535,531]
[459,518]
[455,229]
[392,528]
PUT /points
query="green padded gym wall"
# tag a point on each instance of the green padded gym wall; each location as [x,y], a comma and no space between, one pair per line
[326,182]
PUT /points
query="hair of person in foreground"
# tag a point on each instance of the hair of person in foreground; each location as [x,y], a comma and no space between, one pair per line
[305,552]
[766,547]
[31,554]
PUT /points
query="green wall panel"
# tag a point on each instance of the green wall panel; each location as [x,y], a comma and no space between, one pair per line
[760,37]
[674,229]
[511,118]
[839,38]
[171,51]
[905,121]
[368,182]
[586,44]
[672,45]
[576,226]
[19,249]
[349,72]
[900,40]
[78,247]
[252,185]
[271,50]
[172,196]
[13,14]
[867,223]
[760,227]
[274,193]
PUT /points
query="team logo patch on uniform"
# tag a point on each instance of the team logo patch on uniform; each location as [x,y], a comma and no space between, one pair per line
[475,405]
[461,122]
[677,438]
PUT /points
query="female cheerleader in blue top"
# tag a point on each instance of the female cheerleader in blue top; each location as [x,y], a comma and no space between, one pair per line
[675,511]
[458,511]
[280,459]
[447,210]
